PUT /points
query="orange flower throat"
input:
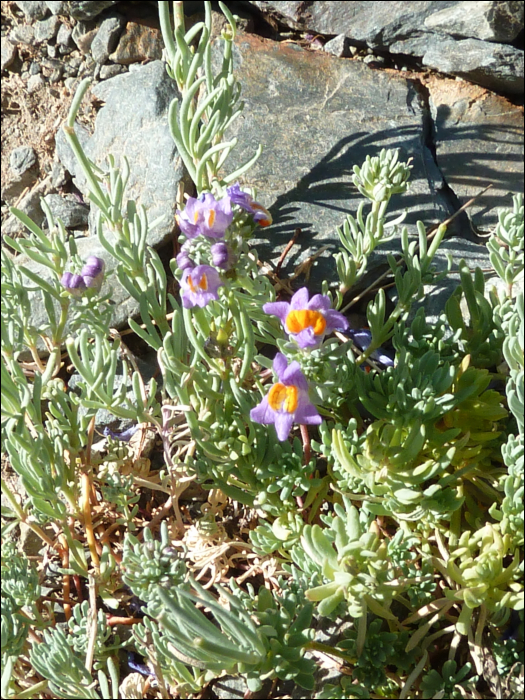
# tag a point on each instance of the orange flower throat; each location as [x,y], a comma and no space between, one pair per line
[283,397]
[202,284]
[297,321]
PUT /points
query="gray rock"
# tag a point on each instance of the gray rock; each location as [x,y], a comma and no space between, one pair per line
[63,151]
[9,53]
[84,34]
[495,66]
[479,142]
[35,68]
[70,71]
[13,187]
[491,21]
[111,70]
[83,9]
[64,36]
[22,159]
[87,67]
[339,46]
[317,117]
[59,176]
[57,8]
[232,687]
[30,205]
[71,84]
[75,59]
[52,64]
[134,123]
[33,10]
[107,38]
[67,208]
[23,34]
[35,83]
[415,28]
[367,60]
[417,45]
[56,75]
[46,29]
[378,24]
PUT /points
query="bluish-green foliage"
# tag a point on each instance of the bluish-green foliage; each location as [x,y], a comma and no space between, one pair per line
[375,485]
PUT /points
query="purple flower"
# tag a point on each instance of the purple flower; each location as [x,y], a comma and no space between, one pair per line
[287,401]
[93,272]
[125,435]
[74,284]
[91,277]
[307,322]
[220,255]
[242,199]
[362,338]
[184,261]
[205,215]
[199,286]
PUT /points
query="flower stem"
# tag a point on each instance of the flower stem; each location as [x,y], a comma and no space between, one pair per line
[306,443]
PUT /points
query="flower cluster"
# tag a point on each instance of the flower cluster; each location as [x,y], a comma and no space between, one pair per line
[307,322]
[91,277]
[209,218]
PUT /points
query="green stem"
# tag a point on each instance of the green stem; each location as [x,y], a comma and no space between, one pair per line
[23,516]
[167,33]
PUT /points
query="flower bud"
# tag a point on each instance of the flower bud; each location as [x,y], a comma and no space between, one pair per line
[220,255]
[184,261]
[74,284]
[93,272]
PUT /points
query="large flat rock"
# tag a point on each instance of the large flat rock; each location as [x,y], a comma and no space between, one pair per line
[134,123]
[425,30]
[479,142]
[317,116]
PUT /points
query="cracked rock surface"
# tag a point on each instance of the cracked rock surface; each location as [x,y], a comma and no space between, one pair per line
[318,103]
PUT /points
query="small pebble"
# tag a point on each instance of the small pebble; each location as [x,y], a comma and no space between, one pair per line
[373,59]
[64,50]
[71,84]
[57,8]
[70,71]
[59,176]
[33,10]
[34,68]
[83,35]
[337,47]
[55,75]
[64,35]
[111,70]
[75,59]
[46,29]
[35,83]
[8,53]
[22,159]
[24,34]
[51,51]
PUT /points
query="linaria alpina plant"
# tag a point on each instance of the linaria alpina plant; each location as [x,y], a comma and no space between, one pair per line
[366,476]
